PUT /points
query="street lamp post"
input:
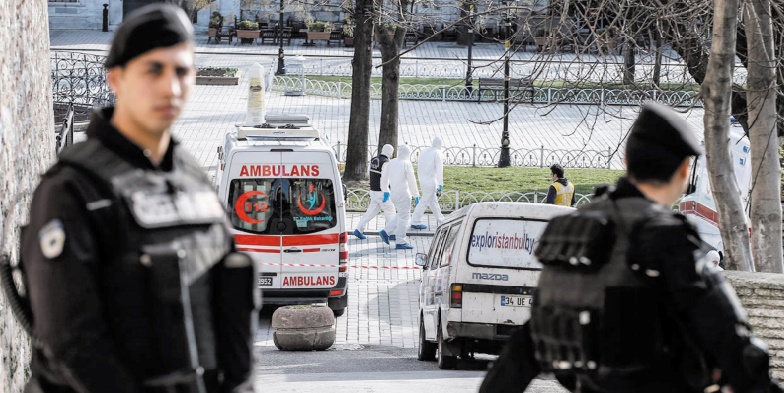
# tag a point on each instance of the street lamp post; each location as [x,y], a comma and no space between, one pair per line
[504,160]
[281,65]
[469,69]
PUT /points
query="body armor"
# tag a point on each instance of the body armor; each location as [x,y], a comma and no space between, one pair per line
[161,234]
[376,164]
[609,332]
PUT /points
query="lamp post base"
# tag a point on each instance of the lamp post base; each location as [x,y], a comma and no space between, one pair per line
[505,160]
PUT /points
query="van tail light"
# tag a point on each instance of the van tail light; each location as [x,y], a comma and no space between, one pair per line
[456,296]
[343,250]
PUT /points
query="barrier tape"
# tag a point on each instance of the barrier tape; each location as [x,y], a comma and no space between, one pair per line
[351,266]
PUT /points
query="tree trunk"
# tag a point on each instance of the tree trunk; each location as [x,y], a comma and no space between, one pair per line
[717,93]
[628,62]
[359,121]
[390,87]
[761,94]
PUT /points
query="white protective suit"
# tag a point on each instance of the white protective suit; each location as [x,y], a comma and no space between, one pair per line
[431,175]
[399,173]
[377,197]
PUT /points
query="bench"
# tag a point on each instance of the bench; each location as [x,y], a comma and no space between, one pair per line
[411,37]
[496,85]
[336,36]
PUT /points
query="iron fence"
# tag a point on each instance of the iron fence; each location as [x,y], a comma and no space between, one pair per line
[523,157]
[452,200]
[79,79]
[538,96]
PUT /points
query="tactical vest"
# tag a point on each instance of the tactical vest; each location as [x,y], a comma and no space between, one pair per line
[376,164]
[160,234]
[563,193]
[595,318]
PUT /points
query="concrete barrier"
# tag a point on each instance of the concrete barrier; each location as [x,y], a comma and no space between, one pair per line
[762,294]
[303,328]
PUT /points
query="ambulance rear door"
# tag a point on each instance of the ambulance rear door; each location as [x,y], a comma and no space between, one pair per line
[254,202]
[311,212]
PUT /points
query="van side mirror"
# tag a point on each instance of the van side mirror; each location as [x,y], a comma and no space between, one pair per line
[421,259]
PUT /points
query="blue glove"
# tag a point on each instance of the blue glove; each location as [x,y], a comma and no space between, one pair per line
[386,197]
[440,187]
[416,201]
[438,192]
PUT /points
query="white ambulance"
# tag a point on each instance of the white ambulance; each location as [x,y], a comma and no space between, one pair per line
[281,186]
[479,277]
[698,205]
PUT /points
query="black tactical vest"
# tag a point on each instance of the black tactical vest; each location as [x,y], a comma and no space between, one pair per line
[161,233]
[376,164]
[596,319]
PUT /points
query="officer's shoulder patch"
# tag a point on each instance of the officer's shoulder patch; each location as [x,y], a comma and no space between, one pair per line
[51,237]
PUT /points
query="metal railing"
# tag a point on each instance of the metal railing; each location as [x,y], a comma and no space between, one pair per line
[523,157]
[452,200]
[538,96]
[79,79]
[64,136]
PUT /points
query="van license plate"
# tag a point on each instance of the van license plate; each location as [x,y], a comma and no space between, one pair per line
[516,301]
[265,281]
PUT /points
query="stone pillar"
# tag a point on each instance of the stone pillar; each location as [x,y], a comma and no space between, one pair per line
[762,294]
[26,150]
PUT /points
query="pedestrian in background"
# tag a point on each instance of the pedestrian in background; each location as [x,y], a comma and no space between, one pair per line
[398,183]
[622,304]
[377,202]
[133,282]
[431,178]
[561,192]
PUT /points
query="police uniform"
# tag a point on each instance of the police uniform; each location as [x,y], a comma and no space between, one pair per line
[131,276]
[642,313]
[561,192]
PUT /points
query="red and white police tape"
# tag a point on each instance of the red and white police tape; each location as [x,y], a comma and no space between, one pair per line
[351,266]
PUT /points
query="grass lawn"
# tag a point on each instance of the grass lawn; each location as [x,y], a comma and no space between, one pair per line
[475,179]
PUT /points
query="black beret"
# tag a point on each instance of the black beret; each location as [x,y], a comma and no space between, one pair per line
[150,27]
[662,131]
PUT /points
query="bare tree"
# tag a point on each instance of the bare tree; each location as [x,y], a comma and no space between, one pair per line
[761,92]
[396,15]
[359,122]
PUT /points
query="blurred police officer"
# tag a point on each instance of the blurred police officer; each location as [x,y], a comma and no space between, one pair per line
[561,192]
[132,281]
[642,313]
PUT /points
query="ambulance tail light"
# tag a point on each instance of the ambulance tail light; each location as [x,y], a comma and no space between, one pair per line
[456,296]
[343,250]
[336,292]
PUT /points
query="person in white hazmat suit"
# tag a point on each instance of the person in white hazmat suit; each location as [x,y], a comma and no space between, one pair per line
[399,173]
[431,179]
[377,204]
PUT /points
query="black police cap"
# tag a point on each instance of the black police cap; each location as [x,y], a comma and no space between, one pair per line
[150,27]
[661,130]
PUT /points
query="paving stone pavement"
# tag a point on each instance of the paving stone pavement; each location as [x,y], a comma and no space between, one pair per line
[383,303]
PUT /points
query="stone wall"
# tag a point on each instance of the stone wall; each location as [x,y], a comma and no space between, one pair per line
[26,150]
[762,294]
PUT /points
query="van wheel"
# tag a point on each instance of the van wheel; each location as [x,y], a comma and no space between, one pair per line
[427,350]
[445,362]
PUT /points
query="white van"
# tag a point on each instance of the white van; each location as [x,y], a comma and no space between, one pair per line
[698,205]
[478,278]
[282,189]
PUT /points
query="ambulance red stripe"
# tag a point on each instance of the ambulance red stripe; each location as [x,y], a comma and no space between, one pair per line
[287,240]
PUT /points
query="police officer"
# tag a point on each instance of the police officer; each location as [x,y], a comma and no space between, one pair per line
[642,313]
[561,192]
[133,283]
[377,202]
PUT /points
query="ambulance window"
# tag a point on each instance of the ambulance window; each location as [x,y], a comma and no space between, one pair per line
[311,205]
[251,205]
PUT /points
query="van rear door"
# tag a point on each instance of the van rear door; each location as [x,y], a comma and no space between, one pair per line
[255,207]
[310,208]
[504,270]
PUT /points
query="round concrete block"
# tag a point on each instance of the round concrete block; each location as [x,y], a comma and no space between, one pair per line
[303,328]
